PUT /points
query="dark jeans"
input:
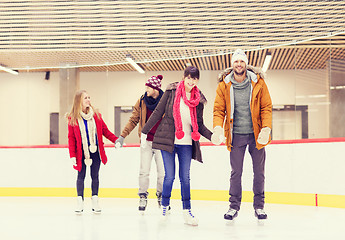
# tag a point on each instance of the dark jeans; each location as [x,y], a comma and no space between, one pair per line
[96,163]
[239,143]
[184,154]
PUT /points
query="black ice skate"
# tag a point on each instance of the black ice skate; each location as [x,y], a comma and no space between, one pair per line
[159,199]
[260,214]
[231,214]
[142,202]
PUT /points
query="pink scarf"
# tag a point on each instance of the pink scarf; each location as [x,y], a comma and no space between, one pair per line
[191,103]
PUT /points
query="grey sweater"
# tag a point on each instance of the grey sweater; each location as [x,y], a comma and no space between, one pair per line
[242,116]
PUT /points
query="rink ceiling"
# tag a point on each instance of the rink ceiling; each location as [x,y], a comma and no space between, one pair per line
[166,35]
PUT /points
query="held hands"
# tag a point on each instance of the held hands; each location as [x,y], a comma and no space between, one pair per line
[119,142]
[264,135]
[73,161]
[218,136]
[143,141]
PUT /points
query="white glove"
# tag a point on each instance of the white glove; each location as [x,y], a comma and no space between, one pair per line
[73,161]
[218,136]
[143,141]
[264,135]
[119,142]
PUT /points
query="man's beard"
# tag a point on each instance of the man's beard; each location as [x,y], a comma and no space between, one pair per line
[239,73]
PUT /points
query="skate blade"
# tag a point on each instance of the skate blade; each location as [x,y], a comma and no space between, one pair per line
[192,224]
[141,210]
[261,222]
[229,222]
[96,212]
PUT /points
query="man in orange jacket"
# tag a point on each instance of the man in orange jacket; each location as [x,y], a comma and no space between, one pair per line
[244,104]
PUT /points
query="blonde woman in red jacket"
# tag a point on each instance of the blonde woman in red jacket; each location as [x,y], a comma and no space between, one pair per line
[86,148]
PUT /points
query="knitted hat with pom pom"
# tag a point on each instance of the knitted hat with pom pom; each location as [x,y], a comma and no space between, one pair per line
[155,82]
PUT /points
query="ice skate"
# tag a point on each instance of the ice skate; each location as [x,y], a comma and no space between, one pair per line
[95,206]
[189,218]
[80,205]
[142,202]
[231,214]
[166,211]
[159,199]
[260,214]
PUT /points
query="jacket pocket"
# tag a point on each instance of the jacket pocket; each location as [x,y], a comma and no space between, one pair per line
[228,132]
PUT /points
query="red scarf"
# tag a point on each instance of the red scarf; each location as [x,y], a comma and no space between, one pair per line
[191,103]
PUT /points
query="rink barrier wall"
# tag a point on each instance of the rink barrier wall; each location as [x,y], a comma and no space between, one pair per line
[298,175]
[294,141]
[304,199]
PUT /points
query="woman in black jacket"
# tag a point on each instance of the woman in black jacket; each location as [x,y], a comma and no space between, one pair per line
[181,107]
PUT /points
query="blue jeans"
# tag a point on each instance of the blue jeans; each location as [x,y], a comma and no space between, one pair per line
[184,154]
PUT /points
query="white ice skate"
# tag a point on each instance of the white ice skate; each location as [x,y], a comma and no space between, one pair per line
[95,206]
[80,205]
[165,211]
[189,218]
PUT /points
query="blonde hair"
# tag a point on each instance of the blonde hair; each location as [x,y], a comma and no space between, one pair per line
[74,114]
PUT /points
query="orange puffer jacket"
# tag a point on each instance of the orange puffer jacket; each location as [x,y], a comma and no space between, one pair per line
[260,104]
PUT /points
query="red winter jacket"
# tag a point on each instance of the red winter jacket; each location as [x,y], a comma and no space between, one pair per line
[75,143]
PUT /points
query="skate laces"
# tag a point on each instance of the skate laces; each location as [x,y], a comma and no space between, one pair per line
[260,211]
[142,201]
[165,210]
[231,212]
[190,213]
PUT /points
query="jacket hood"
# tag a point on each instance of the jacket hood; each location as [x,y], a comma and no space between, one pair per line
[250,68]
[173,86]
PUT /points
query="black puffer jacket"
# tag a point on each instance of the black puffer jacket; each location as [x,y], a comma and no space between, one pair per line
[165,135]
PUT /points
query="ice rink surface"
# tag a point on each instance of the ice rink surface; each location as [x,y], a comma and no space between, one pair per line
[51,218]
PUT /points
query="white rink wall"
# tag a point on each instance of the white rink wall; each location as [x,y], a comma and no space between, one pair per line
[294,168]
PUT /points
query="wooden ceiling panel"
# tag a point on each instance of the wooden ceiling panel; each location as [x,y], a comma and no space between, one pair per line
[165,35]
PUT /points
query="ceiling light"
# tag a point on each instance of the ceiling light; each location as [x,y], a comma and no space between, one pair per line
[9,70]
[266,62]
[134,64]
[337,87]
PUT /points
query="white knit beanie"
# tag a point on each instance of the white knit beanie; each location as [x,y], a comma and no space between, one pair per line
[239,54]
